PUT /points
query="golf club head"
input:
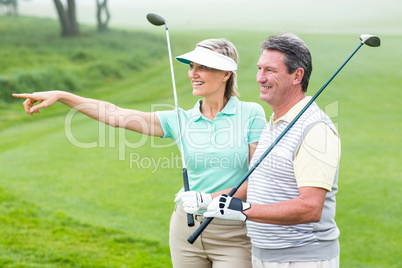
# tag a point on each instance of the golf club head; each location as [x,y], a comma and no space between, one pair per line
[156,19]
[370,40]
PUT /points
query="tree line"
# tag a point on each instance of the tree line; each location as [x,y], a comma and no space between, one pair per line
[67,15]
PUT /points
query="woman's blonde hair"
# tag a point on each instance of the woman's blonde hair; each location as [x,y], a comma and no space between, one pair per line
[226,48]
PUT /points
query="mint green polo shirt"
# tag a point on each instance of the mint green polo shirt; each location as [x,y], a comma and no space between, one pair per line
[216,152]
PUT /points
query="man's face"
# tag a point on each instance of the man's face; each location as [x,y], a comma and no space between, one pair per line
[272,76]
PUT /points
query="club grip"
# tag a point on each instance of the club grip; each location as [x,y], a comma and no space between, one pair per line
[204,225]
[190,217]
[190,220]
[199,230]
[185,180]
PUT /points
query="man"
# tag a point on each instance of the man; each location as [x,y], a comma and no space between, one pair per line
[290,207]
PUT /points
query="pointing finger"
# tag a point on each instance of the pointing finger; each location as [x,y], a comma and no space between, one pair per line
[24,96]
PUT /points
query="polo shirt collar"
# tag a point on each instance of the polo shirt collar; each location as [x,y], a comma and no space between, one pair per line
[293,112]
[229,109]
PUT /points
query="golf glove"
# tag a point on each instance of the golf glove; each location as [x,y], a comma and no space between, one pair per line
[226,207]
[193,201]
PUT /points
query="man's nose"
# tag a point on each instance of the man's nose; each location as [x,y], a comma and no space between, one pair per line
[261,78]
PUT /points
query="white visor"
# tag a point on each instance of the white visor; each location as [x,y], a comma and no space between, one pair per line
[209,58]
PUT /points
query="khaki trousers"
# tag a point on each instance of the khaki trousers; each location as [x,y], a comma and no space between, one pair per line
[222,244]
[333,263]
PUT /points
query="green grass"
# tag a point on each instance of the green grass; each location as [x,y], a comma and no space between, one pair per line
[65,205]
[36,57]
[31,236]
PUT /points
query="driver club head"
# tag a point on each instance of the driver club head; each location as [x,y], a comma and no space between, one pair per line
[156,19]
[370,40]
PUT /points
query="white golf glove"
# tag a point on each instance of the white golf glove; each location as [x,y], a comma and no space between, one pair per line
[193,201]
[226,207]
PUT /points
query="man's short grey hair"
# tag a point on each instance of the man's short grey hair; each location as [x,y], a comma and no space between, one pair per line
[297,54]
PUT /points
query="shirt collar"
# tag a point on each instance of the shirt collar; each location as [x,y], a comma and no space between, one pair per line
[229,109]
[293,112]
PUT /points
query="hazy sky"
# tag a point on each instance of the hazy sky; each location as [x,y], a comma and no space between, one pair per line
[351,16]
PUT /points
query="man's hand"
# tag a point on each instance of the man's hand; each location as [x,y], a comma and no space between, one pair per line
[193,201]
[226,207]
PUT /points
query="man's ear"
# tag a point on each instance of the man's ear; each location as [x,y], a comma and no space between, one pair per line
[298,76]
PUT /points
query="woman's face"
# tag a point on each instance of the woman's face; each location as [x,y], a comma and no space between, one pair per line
[206,81]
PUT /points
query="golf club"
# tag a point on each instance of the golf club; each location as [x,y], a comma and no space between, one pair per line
[158,20]
[370,40]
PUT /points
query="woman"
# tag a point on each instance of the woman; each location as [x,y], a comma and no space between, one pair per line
[219,137]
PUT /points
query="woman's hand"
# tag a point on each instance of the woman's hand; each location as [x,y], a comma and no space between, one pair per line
[193,201]
[45,99]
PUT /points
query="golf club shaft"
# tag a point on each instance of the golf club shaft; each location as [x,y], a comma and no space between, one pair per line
[190,217]
[202,227]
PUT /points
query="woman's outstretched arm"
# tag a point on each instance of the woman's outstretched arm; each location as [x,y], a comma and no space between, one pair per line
[108,113]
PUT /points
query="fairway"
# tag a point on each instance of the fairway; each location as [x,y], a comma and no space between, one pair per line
[79,191]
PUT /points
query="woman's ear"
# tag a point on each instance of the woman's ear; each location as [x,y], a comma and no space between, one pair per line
[226,76]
